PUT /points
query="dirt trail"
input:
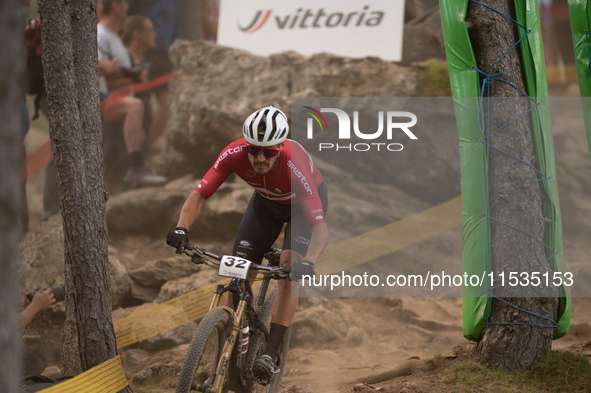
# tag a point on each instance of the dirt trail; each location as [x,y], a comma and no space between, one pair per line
[396,329]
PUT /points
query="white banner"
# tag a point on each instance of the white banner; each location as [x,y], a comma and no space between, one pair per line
[344,28]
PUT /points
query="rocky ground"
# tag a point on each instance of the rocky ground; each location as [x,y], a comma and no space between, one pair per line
[358,344]
[341,340]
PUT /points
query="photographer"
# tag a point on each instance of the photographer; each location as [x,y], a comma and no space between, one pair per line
[41,301]
[32,303]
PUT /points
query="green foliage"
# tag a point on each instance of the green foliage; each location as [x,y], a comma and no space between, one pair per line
[559,372]
[434,362]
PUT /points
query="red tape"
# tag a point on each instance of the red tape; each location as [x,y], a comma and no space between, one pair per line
[40,157]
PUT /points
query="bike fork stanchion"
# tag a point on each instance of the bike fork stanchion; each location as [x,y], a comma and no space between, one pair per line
[217,295]
[229,344]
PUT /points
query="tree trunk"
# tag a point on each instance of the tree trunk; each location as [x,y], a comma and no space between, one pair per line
[513,347]
[70,64]
[12,95]
[193,19]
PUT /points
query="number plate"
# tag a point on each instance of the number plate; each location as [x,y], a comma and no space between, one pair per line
[234,267]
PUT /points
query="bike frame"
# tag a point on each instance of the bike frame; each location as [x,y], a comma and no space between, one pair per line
[243,289]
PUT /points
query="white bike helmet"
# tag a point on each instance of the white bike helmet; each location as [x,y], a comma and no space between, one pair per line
[266,127]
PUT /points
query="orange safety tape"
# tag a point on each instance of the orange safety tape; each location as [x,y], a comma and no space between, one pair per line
[114,98]
[40,157]
[37,160]
[107,377]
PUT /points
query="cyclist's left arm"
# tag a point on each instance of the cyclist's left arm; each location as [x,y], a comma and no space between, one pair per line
[310,202]
[318,242]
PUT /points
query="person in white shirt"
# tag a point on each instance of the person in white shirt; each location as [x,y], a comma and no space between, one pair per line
[130,110]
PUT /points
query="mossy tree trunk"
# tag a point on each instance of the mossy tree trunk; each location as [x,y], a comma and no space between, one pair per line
[12,93]
[70,64]
[507,343]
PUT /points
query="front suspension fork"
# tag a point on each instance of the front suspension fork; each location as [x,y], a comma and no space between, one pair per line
[222,367]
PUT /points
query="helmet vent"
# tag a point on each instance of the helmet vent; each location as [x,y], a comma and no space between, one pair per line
[274,129]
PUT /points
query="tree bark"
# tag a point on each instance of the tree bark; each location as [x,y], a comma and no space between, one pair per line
[514,347]
[70,63]
[12,93]
[193,19]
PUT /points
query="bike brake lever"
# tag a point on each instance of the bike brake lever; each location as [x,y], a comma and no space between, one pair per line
[197,259]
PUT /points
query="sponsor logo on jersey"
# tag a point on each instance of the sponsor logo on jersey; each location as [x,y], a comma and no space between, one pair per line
[245,244]
[319,217]
[232,150]
[300,176]
[199,186]
[302,240]
[250,173]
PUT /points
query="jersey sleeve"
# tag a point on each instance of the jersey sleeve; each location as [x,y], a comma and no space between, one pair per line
[215,176]
[302,181]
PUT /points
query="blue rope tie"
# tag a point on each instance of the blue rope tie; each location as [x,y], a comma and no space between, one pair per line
[483,125]
[525,311]
[588,55]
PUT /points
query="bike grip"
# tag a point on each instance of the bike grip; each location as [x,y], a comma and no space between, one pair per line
[189,246]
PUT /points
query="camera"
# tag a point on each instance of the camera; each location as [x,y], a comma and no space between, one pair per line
[132,73]
[59,293]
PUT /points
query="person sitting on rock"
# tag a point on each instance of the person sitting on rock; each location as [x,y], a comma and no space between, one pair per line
[129,110]
[139,37]
[288,189]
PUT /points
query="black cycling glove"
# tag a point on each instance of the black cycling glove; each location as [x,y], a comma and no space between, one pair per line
[299,269]
[178,239]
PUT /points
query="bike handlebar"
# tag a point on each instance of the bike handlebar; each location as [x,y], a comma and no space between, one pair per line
[191,250]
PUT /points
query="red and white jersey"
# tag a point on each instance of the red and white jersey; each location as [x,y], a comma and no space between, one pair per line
[294,168]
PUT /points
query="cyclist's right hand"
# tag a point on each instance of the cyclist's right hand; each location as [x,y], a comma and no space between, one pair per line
[178,239]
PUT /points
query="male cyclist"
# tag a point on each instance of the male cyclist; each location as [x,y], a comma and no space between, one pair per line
[288,189]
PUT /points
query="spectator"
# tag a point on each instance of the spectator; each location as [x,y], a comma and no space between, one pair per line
[43,300]
[138,35]
[24,212]
[166,16]
[130,110]
[35,360]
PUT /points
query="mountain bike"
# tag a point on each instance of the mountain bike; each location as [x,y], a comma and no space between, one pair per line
[229,339]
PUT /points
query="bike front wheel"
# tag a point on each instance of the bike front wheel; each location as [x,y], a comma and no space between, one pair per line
[203,355]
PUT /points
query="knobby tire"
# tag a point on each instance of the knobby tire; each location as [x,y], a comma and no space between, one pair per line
[204,351]
[257,346]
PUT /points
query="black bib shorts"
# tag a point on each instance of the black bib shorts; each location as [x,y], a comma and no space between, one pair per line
[262,224]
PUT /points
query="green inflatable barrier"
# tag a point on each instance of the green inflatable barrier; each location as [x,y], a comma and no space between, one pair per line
[465,83]
[580,16]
